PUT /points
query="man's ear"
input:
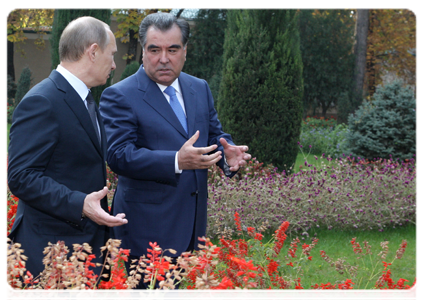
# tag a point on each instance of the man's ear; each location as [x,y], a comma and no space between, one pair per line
[92,51]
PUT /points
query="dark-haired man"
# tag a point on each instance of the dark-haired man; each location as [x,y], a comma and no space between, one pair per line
[163,135]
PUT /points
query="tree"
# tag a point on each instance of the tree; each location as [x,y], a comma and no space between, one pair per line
[260,98]
[37,20]
[205,47]
[23,86]
[129,21]
[326,51]
[360,50]
[391,47]
[62,17]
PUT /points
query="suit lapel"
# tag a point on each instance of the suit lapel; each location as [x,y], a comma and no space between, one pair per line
[77,106]
[190,102]
[155,98]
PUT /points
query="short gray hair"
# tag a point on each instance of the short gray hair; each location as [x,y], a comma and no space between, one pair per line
[163,22]
[80,34]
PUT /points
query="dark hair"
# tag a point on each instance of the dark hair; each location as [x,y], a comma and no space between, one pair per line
[163,22]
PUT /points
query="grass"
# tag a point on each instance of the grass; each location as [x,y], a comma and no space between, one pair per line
[337,245]
[8,132]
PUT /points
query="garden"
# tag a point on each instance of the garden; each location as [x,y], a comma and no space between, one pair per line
[332,221]
[325,204]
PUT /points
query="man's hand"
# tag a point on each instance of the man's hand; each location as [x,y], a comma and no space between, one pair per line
[93,210]
[236,156]
[190,157]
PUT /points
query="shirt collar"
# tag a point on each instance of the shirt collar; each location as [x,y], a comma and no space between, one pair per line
[175,85]
[77,84]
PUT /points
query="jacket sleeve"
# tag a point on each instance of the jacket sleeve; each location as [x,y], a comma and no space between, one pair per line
[33,138]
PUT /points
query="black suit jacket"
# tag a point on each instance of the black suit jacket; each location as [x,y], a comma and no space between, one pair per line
[55,160]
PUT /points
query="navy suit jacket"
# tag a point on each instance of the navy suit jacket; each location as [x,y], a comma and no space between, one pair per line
[55,160]
[144,135]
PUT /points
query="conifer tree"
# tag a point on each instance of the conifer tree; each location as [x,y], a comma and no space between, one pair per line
[24,84]
[205,47]
[260,97]
[62,17]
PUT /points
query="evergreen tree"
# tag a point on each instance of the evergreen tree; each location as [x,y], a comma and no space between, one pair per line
[62,17]
[205,47]
[23,86]
[326,51]
[385,126]
[130,69]
[260,97]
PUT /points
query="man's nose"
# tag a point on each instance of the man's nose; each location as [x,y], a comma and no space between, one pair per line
[164,59]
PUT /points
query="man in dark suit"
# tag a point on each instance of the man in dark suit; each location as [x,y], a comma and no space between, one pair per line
[162,160]
[57,151]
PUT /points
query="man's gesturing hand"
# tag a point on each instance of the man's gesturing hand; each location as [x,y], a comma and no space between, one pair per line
[236,156]
[92,209]
[190,157]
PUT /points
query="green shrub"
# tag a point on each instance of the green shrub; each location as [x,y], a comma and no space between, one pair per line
[11,90]
[130,69]
[10,110]
[24,84]
[260,96]
[328,140]
[385,126]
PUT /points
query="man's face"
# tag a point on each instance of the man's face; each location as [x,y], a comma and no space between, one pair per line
[105,62]
[164,55]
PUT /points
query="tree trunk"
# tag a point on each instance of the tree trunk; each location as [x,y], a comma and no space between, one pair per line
[10,58]
[371,58]
[132,47]
[360,50]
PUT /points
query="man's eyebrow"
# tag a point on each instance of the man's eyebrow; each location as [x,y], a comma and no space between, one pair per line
[175,46]
[152,46]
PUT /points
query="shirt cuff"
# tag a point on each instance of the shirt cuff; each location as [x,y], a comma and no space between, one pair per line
[177,171]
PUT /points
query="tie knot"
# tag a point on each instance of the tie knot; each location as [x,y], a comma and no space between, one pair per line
[90,98]
[170,90]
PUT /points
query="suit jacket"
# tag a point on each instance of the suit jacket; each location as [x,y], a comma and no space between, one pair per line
[144,135]
[55,160]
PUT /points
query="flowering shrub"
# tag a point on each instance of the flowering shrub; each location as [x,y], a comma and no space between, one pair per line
[350,194]
[11,204]
[236,263]
[10,110]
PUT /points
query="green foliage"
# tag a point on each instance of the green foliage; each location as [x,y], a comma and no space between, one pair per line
[260,97]
[130,69]
[326,50]
[24,84]
[324,136]
[11,90]
[62,17]
[205,47]
[385,126]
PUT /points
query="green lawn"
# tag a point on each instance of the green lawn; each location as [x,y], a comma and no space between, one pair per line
[337,245]
[8,131]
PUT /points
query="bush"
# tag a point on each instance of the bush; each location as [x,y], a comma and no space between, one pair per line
[24,84]
[324,136]
[260,96]
[385,126]
[350,194]
[11,91]
[130,69]
[10,110]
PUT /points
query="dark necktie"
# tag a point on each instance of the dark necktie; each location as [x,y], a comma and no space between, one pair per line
[176,106]
[91,111]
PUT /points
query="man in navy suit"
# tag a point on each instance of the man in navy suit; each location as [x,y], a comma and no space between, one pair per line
[57,151]
[161,155]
